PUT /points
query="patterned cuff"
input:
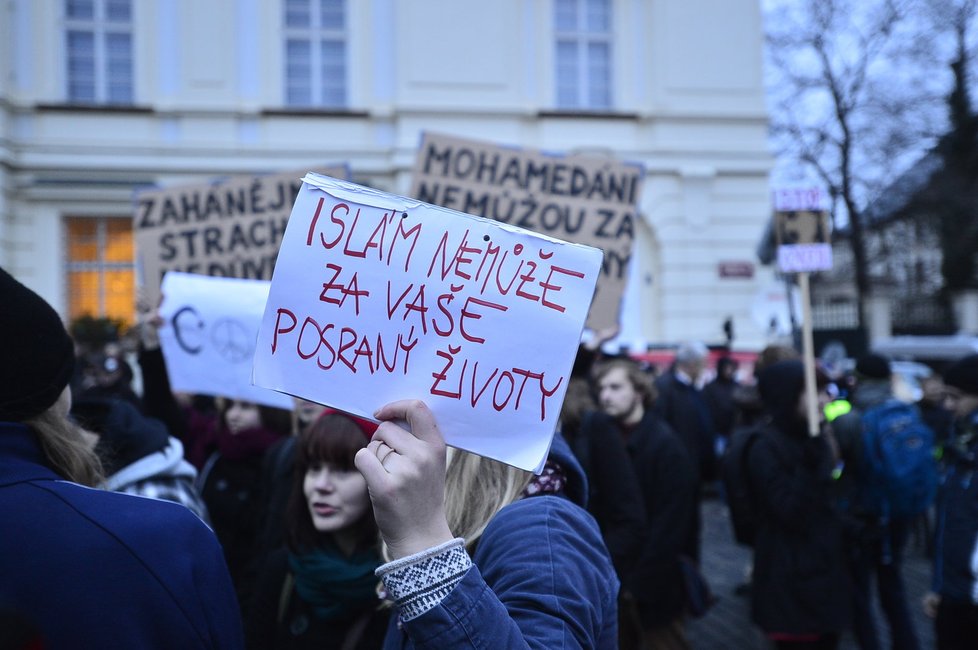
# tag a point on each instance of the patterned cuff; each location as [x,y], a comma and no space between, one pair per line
[419,582]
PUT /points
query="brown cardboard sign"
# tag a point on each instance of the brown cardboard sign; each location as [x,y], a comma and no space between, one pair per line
[794,227]
[230,228]
[583,199]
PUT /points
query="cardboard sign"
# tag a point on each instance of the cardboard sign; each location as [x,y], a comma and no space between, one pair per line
[797,227]
[377,298]
[584,199]
[231,228]
[209,334]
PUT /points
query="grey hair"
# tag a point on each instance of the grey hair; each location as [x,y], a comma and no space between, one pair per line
[692,352]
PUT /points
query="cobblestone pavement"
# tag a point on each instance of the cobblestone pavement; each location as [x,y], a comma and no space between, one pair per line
[727,626]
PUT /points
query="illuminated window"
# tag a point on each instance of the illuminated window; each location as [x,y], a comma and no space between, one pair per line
[583,54]
[98,51]
[101,280]
[315,53]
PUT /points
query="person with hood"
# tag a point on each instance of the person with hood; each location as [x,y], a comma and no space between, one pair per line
[138,454]
[954,597]
[89,568]
[800,584]
[484,555]
[876,545]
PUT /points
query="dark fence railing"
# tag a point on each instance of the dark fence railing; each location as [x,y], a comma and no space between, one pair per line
[922,315]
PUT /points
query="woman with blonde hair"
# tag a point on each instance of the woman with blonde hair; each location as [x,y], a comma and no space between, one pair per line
[90,568]
[482,554]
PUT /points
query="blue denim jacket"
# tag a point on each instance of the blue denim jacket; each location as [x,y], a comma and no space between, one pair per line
[542,578]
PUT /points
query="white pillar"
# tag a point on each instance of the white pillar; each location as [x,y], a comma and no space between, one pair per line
[966,311]
[880,318]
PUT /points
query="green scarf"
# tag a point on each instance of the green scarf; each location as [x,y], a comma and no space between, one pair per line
[333,584]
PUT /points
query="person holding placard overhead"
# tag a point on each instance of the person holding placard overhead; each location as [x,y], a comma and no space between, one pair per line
[801,590]
[90,568]
[482,554]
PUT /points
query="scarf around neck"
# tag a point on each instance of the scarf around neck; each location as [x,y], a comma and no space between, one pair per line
[333,584]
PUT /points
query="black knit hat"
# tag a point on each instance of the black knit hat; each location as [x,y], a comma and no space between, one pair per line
[963,374]
[38,358]
[873,366]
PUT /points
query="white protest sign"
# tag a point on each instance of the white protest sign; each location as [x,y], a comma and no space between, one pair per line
[377,298]
[209,333]
[805,257]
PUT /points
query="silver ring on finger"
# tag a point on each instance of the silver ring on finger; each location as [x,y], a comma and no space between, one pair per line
[386,452]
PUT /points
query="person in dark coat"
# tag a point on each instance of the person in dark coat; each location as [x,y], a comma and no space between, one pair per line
[614,498]
[319,591]
[667,483]
[233,449]
[801,589]
[953,601]
[719,397]
[681,404]
[933,409]
[89,568]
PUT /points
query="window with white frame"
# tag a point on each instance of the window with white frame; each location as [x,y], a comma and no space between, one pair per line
[98,51]
[583,54]
[315,53]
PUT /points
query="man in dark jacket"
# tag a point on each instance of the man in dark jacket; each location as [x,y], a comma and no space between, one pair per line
[800,590]
[719,396]
[681,404]
[954,600]
[876,547]
[667,482]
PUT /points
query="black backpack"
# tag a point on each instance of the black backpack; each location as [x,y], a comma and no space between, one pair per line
[736,482]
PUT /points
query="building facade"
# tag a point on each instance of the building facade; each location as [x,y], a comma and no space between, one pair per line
[101,97]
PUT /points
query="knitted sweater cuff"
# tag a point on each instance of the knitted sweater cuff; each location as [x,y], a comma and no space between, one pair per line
[419,582]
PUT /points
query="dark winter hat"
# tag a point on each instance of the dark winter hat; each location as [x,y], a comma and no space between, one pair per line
[38,358]
[873,366]
[963,374]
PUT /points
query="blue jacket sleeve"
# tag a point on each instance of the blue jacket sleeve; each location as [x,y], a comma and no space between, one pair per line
[542,579]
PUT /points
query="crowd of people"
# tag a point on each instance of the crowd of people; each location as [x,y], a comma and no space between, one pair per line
[311,528]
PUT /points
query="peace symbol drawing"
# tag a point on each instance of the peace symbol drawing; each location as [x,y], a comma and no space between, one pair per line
[232,341]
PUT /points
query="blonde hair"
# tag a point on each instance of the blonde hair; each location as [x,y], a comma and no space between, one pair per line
[66,449]
[476,488]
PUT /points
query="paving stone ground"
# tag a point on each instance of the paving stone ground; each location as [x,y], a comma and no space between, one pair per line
[727,626]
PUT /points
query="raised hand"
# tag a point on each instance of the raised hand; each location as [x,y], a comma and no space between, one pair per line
[404,466]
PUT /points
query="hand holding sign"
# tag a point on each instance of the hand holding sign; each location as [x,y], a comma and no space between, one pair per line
[405,473]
